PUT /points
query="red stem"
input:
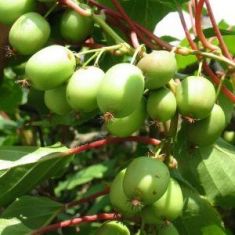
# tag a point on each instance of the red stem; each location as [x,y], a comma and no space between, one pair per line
[112,140]
[77,221]
[198,26]
[217,31]
[206,67]
[134,37]
[191,13]
[87,199]
[76,7]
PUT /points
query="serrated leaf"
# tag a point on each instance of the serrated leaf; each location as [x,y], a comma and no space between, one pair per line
[210,169]
[16,156]
[21,179]
[33,212]
[13,226]
[199,217]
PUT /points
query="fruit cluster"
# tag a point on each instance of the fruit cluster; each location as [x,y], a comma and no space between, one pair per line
[126,94]
[145,189]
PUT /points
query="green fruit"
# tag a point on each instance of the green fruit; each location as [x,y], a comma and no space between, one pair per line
[50,67]
[55,100]
[206,131]
[118,198]
[168,229]
[146,180]
[229,136]
[113,228]
[169,206]
[126,126]
[195,97]
[161,105]
[121,90]
[75,27]
[158,67]
[29,33]
[11,10]
[83,87]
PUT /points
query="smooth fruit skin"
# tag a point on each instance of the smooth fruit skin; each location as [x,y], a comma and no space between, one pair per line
[11,10]
[158,67]
[121,90]
[161,105]
[55,100]
[168,229]
[123,127]
[29,33]
[169,206]
[50,67]
[82,88]
[195,97]
[75,27]
[118,198]
[113,228]
[206,131]
[146,180]
[229,136]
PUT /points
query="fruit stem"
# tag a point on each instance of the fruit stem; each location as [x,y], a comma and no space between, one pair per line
[220,86]
[77,221]
[73,5]
[51,9]
[100,21]
[103,49]
[139,50]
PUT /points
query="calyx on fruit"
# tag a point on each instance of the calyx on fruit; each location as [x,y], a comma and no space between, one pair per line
[113,228]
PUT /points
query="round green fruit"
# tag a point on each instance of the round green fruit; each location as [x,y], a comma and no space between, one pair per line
[161,105]
[74,27]
[195,97]
[169,206]
[83,87]
[50,67]
[55,100]
[29,33]
[158,68]
[118,198]
[206,131]
[229,136]
[123,127]
[168,229]
[11,10]
[113,228]
[121,90]
[146,180]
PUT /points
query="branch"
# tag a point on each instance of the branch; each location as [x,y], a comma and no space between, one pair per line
[112,140]
[217,31]
[77,221]
[134,37]
[206,67]
[76,7]
[198,26]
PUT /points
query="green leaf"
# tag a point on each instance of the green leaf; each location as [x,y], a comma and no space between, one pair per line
[14,95]
[13,226]
[16,156]
[15,182]
[210,169]
[199,217]
[33,212]
[84,176]
[145,12]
